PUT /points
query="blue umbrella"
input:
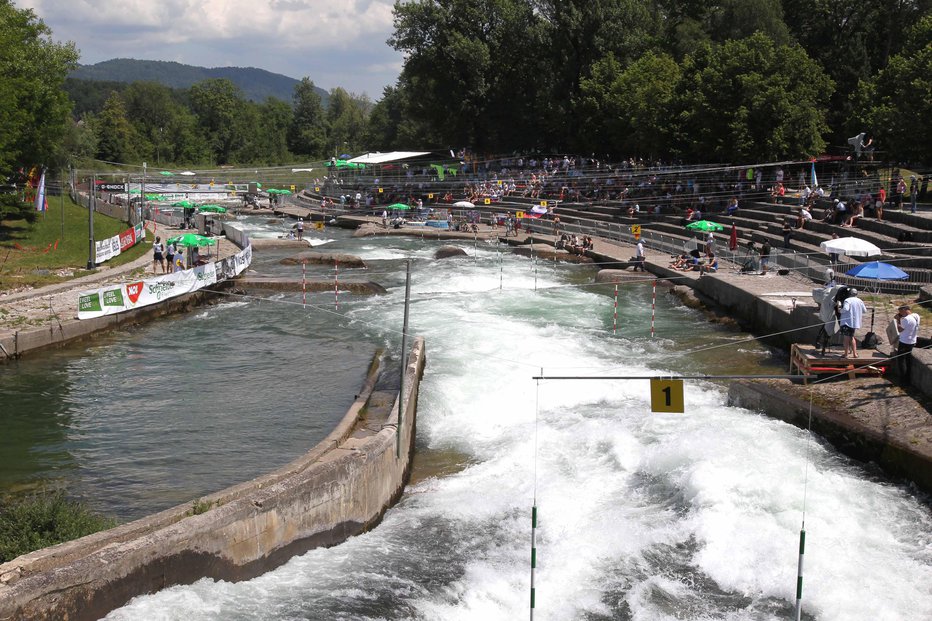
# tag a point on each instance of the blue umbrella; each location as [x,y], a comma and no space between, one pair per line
[878,270]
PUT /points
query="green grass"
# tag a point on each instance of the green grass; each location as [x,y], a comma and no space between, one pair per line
[40,521]
[28,256]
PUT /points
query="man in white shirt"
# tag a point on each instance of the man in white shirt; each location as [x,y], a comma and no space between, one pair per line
[908,324]
[852,310]
[639,257]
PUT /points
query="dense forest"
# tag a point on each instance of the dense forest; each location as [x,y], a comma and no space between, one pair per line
[726,81]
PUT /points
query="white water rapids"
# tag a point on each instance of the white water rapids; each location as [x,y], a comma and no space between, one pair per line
[641,516]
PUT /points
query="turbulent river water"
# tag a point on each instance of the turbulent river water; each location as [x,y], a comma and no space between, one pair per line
[642,516]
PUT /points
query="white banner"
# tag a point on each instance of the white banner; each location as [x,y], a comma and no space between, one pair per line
[118,298]
[106,249]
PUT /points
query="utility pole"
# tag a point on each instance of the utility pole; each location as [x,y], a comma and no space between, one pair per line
[142,196]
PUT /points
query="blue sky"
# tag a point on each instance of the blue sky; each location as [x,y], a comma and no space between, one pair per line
[334,43]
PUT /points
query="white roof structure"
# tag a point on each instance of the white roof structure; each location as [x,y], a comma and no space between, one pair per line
[385,158]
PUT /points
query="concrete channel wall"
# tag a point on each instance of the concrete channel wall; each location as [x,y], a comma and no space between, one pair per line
[341,488]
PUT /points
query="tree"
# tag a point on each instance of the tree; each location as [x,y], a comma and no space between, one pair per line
[897,104]
[750,100]
[275,119]
[116,137]
[220,108]
[307,135]
[628,111]
[34,110]
[347,121]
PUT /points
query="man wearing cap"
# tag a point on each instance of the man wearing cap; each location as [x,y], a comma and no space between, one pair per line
[908,324]
[852,309]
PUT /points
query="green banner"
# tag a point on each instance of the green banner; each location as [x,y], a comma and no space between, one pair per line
[113,297]
[89,303]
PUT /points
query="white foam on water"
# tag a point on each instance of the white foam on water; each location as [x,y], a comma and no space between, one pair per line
[647,516]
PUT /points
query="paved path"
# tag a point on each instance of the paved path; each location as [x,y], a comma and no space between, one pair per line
[59,301]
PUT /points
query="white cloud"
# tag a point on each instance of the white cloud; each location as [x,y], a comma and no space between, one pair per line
[342,40]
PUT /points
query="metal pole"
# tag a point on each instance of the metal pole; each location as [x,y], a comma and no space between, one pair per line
[653,309]
[142,196]
[91,205]
[404,351]
[61,177]
[533,553]
[615,317]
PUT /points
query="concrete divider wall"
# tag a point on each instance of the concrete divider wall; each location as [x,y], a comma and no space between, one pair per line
[339,489]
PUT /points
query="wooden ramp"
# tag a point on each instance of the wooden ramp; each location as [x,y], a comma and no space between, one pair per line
[808,360]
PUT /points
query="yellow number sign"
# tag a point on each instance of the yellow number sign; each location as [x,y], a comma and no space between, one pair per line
[380,190]
[519,215]
[317,188]
[666,395]
[543,203]
[636,229]
[319,226]
[488,201]
[292,188]
[430,196]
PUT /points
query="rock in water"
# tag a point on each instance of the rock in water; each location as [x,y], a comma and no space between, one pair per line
[445,252]
[324,258]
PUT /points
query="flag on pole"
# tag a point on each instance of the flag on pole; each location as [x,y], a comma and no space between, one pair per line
[40,193]
[815,180]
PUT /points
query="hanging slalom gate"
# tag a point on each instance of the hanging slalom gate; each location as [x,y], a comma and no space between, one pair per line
[665,399]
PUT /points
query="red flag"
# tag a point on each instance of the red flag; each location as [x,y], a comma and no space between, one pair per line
[733,242]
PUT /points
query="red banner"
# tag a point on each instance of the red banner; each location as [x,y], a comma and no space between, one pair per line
[127,239]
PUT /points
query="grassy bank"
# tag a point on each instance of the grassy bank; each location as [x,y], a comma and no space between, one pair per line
[29,256]
[40,521]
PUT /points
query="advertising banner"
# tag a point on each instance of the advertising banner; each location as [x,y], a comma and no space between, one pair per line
[106,249]
[118,298]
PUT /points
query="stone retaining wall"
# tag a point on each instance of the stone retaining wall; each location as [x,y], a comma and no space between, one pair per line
[339,489]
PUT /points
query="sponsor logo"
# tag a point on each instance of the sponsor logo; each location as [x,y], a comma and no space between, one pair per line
[89,303]
[160,289]
[133,291]
[113,297]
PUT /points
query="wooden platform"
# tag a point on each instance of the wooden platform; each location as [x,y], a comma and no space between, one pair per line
[808,360]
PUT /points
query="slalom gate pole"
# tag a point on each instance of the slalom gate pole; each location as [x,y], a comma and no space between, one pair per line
[615,318]
[533,553]
[336,285]
[501,266]
[304,282]
[799,573]
[653,310]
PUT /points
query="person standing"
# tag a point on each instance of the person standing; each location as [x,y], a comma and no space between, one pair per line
[158,255]
[300,228]
[913,193]
[170,258]
[764,256]
[384,218]
[908,324]
[639,256]
[852,310]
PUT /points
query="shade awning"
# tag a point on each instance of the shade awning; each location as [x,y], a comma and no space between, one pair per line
[385,158]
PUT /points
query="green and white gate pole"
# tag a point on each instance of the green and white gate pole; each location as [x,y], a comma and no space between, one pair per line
[799,573]
[533,553]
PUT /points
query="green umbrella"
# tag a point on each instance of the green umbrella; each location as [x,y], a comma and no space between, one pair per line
[284,191]
[213,209]
[153,197]
[183,204]
[191,239]
[705,225]
[134,191]
[398,206]
[165,173]
[278,191]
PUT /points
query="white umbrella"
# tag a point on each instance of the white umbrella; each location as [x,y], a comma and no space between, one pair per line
[463,205]
[187,173]
[850,246]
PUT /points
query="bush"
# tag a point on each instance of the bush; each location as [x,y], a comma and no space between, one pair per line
[40,521]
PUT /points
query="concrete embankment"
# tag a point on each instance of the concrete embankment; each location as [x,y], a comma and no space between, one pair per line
[339,489]
[865,418]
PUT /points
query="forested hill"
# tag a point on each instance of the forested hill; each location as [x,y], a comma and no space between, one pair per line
[256,84]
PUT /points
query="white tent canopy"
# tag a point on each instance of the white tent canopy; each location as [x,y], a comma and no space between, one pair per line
[385,158]
[850,246]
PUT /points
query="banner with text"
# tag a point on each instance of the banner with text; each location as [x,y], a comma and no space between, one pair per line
[108,248]
[127,296]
